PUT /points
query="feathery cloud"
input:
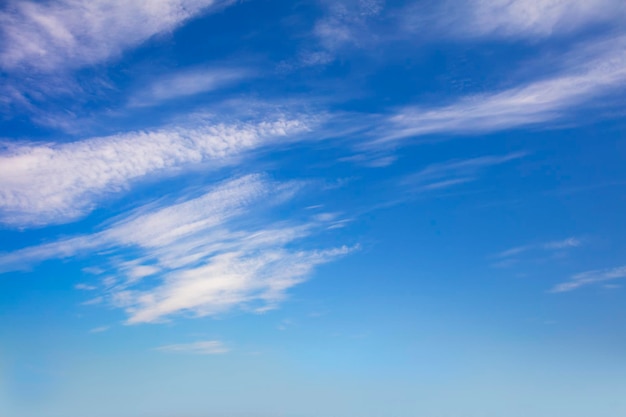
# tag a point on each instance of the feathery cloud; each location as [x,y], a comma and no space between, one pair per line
[554,249]
[508,19]
[556,245]
[455,172]
[531,104]
[206,347]
[188,83]
[590,278]
[201,257]
[56,183]
[61,34]
[532,18]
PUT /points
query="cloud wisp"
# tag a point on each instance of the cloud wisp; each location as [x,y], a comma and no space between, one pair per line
[532,104]
[205,347]
[344,25]
[61,34]
[532,18]
[590,278]
[509,19]
[556,245]
[456,172]
[555,248]
[188,83]
[202,257]
[56,183]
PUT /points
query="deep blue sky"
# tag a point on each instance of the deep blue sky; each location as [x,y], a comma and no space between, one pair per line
[346,208]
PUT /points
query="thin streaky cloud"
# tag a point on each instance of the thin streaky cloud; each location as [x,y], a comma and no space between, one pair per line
[196,257]
[508,19]
[57,183]
[100,329]
[571,242]
[206,347]
[533,18]
[455,172]
[531,104]
[556,245]
[65,34]
[85,287]
[151,226]
[590,278]
[188,83]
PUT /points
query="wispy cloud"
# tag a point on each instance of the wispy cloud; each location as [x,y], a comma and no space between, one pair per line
[206,347]
[456,172]
[509,19]
[188,83]
[55,183]
[590,278]
[201,257]
[100,329]
[530,18]
[73,33]
[530,104]
[344,21]
[556,245]
[85,287]
[343,25]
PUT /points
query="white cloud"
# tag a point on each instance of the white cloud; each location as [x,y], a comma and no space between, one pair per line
[344,24]
[203,256]
[531,18]
[85,287]
[188,83]
[255,279]
[508,19]
[100,329]
[571,242]
[152,227]
[207,347]
[551,246]
[74,33]
[55,183]
[455,172]
[590,72]
[590,278]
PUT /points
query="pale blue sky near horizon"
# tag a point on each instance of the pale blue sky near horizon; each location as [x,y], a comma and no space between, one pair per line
[345,208]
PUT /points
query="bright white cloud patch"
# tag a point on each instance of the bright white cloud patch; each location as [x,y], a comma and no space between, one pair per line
[201,257]
[73,33]
[55,183]
[591,278]
[591,74]
[207,347]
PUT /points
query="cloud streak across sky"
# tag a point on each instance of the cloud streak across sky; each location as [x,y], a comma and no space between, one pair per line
[55,183]
[529,104]
[456,172]
[72,33]
[591,278]
[205,347]
[202,257]
[188,83]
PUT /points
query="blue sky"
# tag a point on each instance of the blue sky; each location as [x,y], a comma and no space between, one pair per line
[317,208]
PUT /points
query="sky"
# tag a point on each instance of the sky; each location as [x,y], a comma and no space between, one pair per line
[350,208]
